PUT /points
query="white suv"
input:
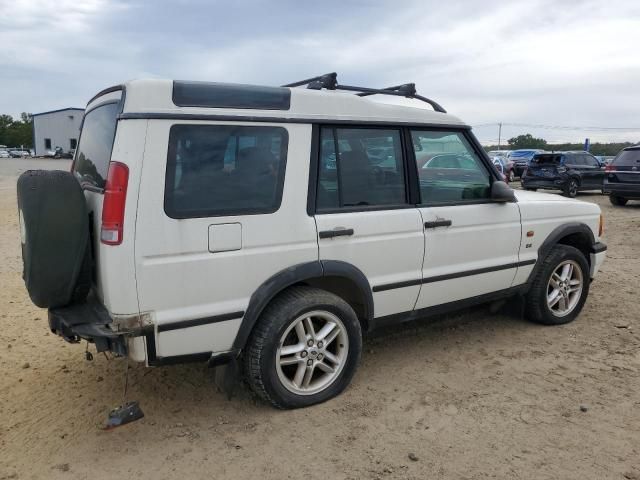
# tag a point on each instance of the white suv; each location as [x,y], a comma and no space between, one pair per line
[271,227]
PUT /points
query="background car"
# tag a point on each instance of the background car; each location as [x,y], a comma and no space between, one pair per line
[19,153]
[505,166]
[622,177]
[570,172]
[4,154]
[521,158]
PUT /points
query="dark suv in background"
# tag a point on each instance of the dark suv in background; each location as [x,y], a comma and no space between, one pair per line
[521,159]
[570,172]
[622,176]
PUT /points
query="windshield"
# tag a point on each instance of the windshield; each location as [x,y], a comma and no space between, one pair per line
[546,158]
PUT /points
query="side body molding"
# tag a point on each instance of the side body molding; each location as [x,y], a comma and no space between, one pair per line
[299,274]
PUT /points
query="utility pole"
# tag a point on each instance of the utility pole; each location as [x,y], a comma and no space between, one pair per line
[499,134]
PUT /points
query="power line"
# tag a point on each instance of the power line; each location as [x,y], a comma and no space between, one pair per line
[557,127]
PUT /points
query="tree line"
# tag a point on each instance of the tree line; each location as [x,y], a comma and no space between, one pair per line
[529,141]
[16,132]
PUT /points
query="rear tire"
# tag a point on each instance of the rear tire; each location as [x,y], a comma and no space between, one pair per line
[562,281]
[292,364]
[618,201]
[571,188]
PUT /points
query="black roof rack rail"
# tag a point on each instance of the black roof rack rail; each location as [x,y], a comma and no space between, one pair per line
[330,82]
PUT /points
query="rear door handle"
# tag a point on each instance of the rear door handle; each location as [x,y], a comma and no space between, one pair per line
[438,223]
[343,232]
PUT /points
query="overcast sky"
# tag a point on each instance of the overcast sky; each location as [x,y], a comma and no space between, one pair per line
[535,62]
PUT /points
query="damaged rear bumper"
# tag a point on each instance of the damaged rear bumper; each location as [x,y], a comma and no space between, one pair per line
[87,321]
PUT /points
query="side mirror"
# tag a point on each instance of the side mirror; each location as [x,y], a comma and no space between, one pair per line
[501,192]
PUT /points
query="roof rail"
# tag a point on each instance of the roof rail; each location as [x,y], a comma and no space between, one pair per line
[330,82]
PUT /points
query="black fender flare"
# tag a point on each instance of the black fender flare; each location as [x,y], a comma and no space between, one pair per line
[297,274]
[554,237]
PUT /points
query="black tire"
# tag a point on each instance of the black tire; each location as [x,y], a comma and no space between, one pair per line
[54,224]
[571,188]
[530,189]
[260,355]
[536,306]
[618,201]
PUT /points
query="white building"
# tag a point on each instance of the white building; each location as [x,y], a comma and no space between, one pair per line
[57,128]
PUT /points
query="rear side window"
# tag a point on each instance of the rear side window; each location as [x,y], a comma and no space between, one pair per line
[628,158]
[96,141]
[215,170]
[367,171]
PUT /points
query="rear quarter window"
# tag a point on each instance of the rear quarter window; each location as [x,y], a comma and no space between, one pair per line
[628,158]
[220,170]
[96,142]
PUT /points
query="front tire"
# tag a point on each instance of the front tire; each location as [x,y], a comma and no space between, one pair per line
[304,349]
[560,287]
[618,201]
[511,176]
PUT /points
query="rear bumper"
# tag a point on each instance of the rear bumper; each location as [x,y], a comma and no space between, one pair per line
[536,182]
[627,190]
[87,321]
[598,254]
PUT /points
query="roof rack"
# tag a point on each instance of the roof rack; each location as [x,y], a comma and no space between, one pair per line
[330,82]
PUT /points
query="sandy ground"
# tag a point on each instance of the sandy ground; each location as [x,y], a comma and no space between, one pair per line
[472,395]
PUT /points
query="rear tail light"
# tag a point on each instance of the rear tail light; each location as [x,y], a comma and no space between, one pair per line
[115,196]
[609,168]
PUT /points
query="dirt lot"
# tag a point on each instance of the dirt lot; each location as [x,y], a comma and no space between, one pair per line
[472,395]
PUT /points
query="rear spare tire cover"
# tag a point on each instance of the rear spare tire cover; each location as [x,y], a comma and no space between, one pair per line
[54,231]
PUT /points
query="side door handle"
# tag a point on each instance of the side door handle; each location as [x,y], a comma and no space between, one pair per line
[342,232]
[438,223]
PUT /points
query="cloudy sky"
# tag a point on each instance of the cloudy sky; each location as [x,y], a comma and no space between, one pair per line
[564,70]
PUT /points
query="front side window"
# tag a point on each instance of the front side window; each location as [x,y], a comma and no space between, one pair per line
[449,169]
[590,161]
[215,170]
[47,143]
[96,141]
[360,167]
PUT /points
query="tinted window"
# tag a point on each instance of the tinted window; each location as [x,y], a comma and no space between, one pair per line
[47,143]
[573,159]
[448,168]
[368,170]
[96,140]
[217,170]
[546,158]
[590,161]
[225,95]
[628,158]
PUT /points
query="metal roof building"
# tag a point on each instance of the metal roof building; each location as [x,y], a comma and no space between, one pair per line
[56,128]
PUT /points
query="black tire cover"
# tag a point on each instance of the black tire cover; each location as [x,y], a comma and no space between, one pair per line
[54,230]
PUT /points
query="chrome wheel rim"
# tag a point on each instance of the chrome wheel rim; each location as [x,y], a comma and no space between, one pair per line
[564,288]
[511,176]
[312,352]
[573,188]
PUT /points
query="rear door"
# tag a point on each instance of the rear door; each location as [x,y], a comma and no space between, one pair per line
[222,208]
[364,216]
[593,174]
[471,243]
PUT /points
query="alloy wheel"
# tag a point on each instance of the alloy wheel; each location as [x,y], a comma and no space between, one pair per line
[564,288]
[312,352]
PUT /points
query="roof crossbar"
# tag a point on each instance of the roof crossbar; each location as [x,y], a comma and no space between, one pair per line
[330,82]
